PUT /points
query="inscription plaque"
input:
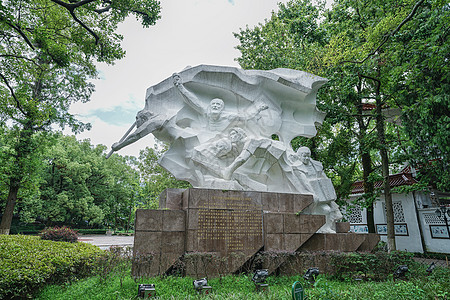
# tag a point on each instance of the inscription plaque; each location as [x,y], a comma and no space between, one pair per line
[228,223]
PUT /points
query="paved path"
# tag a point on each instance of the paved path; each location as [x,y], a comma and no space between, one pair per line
[105,242]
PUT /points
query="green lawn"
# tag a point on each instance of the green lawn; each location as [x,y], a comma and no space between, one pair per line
[241,287]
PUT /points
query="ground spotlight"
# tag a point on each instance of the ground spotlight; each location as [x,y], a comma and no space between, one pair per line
[401,272]
[259,278]
[146,291]
[311,274]
[431,268]
[201,286]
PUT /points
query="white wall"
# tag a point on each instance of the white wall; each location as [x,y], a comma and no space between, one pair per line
[429,219]
[406,214]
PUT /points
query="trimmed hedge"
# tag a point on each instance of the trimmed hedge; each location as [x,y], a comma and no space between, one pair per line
[91,231]
[27,262]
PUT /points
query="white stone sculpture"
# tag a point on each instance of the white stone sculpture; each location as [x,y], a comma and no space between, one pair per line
[309,176]
[219,122]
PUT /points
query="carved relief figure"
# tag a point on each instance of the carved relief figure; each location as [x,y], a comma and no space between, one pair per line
[146,122]
[310,176]
[219,122]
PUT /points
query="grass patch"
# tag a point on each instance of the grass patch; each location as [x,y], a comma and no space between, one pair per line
[241,287]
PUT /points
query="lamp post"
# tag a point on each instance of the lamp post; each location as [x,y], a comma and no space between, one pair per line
[443,212]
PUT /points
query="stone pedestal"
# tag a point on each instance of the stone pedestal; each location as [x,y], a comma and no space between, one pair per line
[219,231]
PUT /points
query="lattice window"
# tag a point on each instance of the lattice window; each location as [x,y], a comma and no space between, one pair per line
[432,219]
[355,215]
[399,216]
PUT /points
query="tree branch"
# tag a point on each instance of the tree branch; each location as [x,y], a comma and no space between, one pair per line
[73,4]
[386,37]
[21,57]
[97,38]
[103,10]
[369,77]
[13,94]
[71,8]
[19,30]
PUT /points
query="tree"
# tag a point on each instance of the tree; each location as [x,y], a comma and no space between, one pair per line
[424,92]
[47,51]
[374,53]
[297,37]
[78,186]
[155,179]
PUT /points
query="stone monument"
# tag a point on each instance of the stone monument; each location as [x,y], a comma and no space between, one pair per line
[230,133]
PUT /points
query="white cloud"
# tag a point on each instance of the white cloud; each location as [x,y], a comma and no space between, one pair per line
[190,32]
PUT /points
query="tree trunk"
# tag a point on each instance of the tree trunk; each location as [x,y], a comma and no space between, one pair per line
[385,169]
[366,160]
[8,213]
[368,189]
[23,148]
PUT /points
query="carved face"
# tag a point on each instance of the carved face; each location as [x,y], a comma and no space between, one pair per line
[176,79]
[216,105]
[142,117]
[304,157]
[221,148]
[234,136]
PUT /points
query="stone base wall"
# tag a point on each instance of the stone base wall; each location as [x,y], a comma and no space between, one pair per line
[210,232]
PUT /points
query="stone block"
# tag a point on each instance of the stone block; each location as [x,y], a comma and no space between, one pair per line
[202,198]
[146,265]
[316,242]
[273,223]
[370,242]
[302,201]
[273,242]
[302,223]
[149,220]
[171,199]
[192,219]
[174,220]
[291,242]
[191,240]
[342,227]
[147,242]
[270,202]
[173,242]
[286,203]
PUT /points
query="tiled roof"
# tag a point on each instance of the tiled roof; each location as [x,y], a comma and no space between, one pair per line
[394,181]
[368,106]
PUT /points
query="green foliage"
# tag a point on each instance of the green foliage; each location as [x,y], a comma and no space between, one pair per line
[48,52]
[78,186]
[27,262]
[376,266]
[59,234]
[390,51]
[155,179]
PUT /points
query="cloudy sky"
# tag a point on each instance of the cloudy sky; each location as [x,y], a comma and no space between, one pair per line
[190,33]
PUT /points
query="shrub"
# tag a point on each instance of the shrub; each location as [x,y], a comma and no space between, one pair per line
[59,234]
[27,262]
[369,266]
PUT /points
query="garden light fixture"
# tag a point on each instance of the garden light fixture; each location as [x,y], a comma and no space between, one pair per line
[401,272]
[311,274]
[431,268]
[259,278]
[201,286]
[146,291]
